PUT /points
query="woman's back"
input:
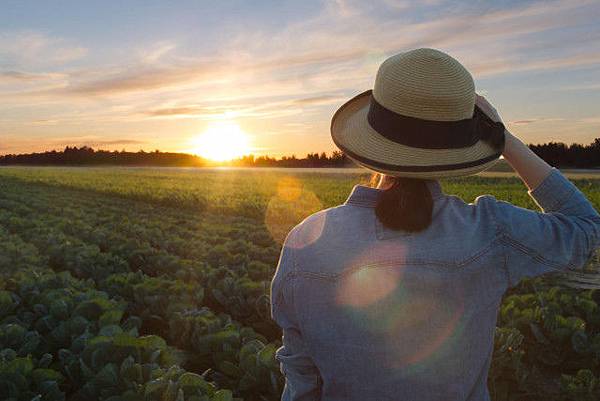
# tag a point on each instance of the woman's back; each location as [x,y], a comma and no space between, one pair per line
[378,314]
[394,295]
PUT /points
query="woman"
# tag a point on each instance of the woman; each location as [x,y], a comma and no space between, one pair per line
[394,294]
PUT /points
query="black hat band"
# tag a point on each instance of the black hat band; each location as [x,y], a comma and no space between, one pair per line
[430,134]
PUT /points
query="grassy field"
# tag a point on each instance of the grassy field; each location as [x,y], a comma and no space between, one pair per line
[152,284]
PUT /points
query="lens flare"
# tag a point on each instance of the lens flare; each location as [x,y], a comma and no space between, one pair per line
[366,281]
[367,286]
[291,204]
[413,312]
[435,317]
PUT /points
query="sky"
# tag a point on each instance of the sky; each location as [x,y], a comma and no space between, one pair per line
[157,74]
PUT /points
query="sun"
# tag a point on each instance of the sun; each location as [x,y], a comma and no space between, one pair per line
[222,141]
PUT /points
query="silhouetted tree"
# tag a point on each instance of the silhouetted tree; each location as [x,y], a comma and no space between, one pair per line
[73,156]
[576,155]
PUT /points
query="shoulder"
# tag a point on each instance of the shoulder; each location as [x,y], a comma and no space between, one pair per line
[481,205]
[301,235]
[481,213]
[311,228]
[485,203]
[504,214]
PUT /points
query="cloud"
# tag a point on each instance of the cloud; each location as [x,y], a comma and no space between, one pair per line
[36,49]
[344,8]
[26,76]
[573,61]
[486,41]
[309,54]
[114,142]
[138,79]
[175,111]
[580,87]
[534,120]
[92,140]
[157,51]
[230,111]
[590,120]
[44,122]
[522,122]
[218,70]
[250,107]
[319,100]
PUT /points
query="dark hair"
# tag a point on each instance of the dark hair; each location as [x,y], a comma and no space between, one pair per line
[406,205]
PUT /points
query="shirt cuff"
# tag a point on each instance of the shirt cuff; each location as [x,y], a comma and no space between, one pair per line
[553,192]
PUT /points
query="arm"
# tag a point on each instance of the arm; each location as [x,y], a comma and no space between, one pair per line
[302,378]
[562,236]
[530,167]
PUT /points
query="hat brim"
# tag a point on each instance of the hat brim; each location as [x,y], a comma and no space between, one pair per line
[352,133]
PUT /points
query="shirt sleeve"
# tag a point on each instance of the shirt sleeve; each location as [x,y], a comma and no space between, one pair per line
[563,236]
[302,378]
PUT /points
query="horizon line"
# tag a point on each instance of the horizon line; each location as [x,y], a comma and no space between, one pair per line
[292,155]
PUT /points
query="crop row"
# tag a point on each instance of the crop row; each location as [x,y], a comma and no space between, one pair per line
[226,352]
[59,335]
[95,247]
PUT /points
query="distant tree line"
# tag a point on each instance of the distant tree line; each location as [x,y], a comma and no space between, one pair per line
[86,156]
[575,155]
[336,159]
[555,153]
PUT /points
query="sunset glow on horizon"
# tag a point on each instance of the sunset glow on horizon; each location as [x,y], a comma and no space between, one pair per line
[146,75]
[222,141]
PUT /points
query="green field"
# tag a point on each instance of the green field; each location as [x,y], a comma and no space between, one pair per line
[152,284]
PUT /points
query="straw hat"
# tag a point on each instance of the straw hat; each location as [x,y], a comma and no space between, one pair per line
[420,120]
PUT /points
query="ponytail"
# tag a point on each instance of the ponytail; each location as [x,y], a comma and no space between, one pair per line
[406,205]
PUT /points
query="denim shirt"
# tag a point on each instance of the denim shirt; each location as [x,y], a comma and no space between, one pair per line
[370,313]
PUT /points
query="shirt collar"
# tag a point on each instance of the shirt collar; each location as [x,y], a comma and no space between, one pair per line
[367,196]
